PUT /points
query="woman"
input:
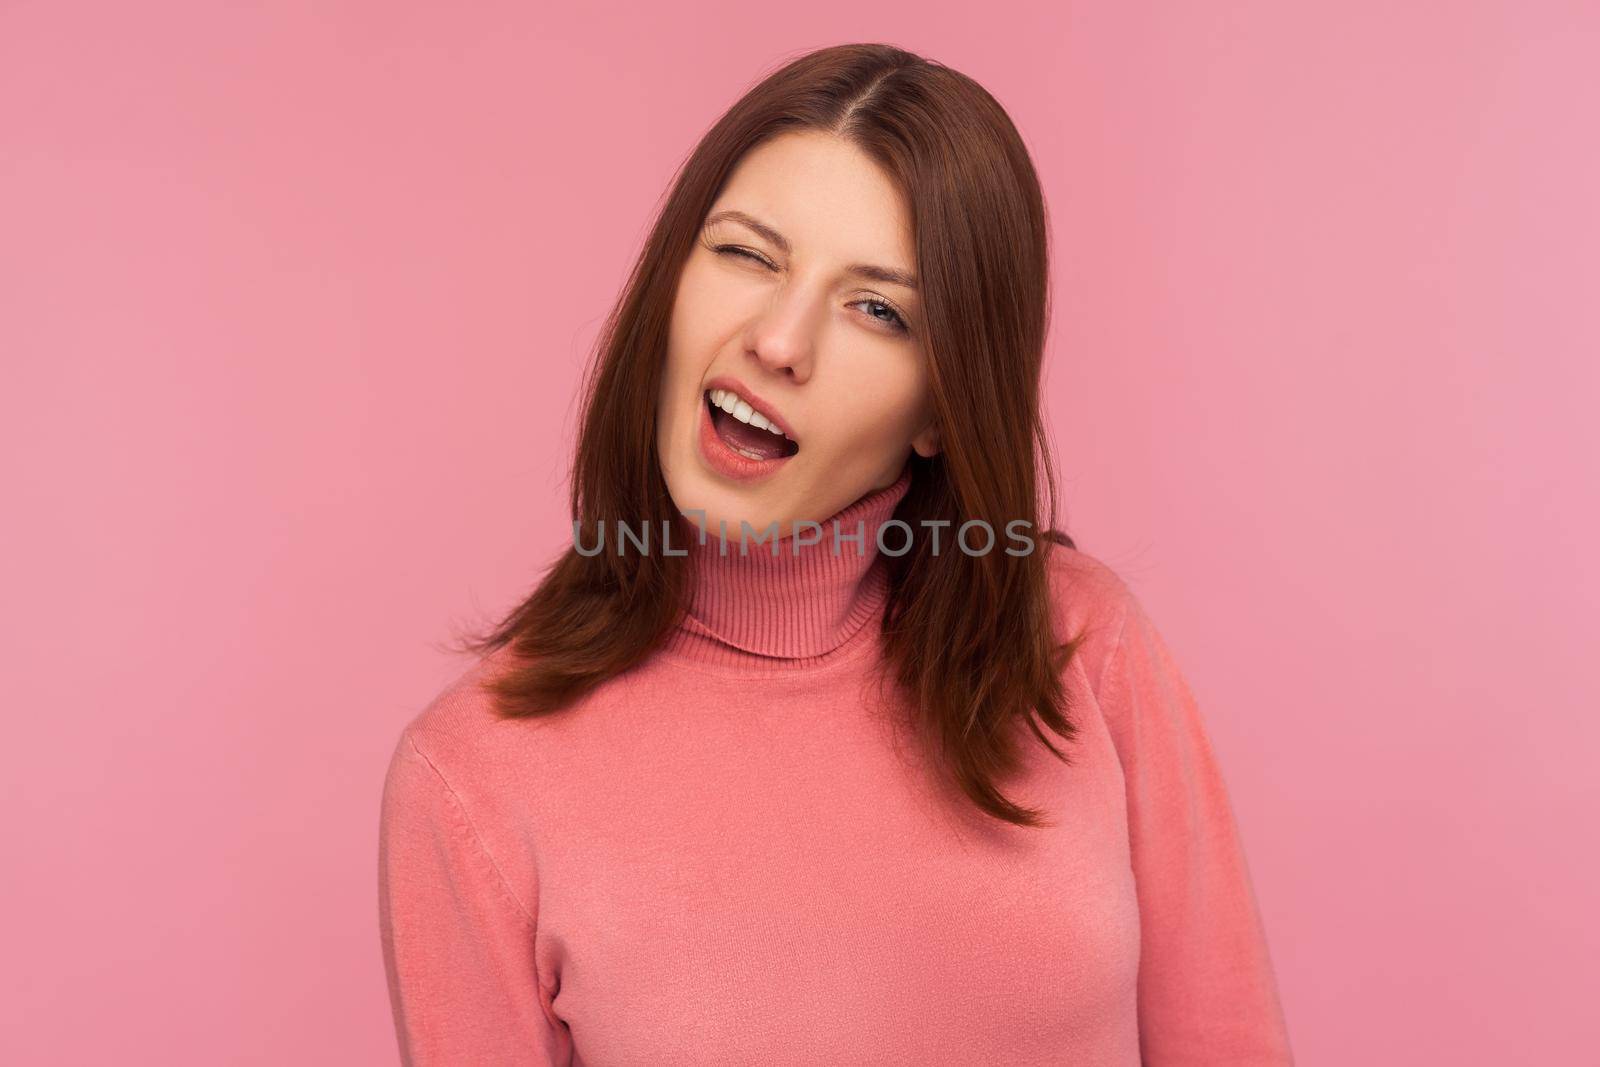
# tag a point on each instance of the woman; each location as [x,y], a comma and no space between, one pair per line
[697,803]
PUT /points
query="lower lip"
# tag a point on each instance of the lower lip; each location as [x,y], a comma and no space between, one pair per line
[725,460]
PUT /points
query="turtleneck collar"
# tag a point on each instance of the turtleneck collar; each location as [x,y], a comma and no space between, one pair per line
[795,607]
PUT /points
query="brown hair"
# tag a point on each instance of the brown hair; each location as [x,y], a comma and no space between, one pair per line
[967,637]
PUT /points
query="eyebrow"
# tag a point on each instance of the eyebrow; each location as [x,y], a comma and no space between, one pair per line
[861,270]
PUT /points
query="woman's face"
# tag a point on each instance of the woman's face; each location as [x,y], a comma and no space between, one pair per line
[798,302]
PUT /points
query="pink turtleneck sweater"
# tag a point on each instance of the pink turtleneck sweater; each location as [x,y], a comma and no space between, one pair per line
[732,854]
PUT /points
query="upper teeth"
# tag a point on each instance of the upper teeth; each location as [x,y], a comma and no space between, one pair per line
[729,401]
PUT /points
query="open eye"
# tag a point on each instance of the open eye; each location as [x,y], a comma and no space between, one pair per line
[895,321]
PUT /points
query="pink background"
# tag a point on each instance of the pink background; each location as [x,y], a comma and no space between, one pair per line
[293,303]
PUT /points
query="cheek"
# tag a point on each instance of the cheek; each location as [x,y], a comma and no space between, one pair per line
[887,415]
[698,314]
[686,360]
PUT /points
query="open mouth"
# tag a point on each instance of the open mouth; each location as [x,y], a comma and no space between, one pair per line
[746,430]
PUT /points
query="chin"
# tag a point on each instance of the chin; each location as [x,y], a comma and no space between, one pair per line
[733,504]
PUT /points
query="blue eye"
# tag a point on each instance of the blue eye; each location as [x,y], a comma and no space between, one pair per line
[896,323]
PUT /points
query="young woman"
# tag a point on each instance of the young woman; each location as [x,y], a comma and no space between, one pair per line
[700,803]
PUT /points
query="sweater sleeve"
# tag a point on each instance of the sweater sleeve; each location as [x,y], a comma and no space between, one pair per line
[458,947]
[1207,994]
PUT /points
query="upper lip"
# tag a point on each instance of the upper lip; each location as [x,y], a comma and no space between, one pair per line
[745,393]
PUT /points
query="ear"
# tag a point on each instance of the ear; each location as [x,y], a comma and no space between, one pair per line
[926,443]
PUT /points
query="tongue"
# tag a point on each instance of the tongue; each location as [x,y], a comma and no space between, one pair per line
[750,438]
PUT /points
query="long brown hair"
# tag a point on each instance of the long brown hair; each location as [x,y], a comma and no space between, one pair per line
[967,637]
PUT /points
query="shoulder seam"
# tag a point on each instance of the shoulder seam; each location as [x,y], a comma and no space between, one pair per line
[460,810]
[1102,681]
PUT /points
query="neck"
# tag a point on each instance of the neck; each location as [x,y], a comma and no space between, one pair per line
[805,602]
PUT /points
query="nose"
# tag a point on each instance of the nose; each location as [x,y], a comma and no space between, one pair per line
[784,337]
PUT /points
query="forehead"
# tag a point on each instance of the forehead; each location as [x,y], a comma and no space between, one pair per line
[826,196]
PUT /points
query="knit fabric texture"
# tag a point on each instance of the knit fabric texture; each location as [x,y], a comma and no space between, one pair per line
[738,853]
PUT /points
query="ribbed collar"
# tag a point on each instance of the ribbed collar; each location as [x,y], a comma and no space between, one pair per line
[792,608]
